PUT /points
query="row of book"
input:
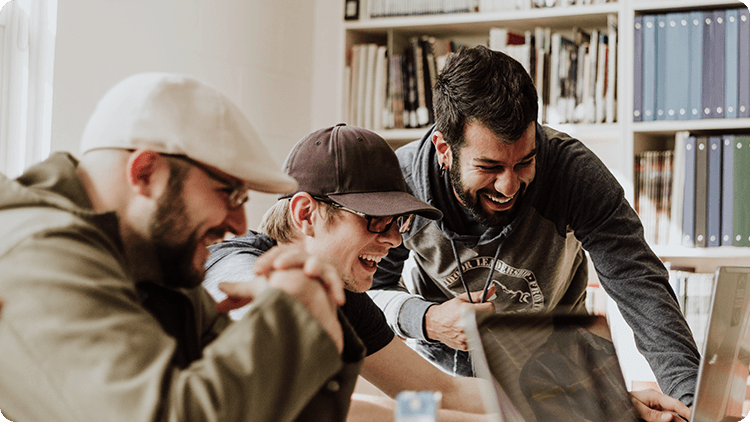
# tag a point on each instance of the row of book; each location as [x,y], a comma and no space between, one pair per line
[694,293]
[653,194]
[697,195]
[388,8]
[500,5]
[692,65]
[394,90]
[575,78]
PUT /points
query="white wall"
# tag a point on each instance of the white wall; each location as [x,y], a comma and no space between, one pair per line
[260,53]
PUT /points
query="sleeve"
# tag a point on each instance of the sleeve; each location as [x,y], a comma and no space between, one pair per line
[235,266]
[403,310]
[368,321]
[77,345]
[630,272]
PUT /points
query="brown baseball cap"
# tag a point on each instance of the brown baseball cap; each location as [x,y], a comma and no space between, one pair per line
[356,168]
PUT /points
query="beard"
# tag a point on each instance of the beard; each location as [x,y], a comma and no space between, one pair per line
[472,203]
[170,221]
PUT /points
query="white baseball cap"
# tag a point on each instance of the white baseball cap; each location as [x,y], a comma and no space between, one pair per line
[181,115]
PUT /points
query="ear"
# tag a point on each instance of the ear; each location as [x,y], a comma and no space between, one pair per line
[147,172]
[444,153]
[303,209]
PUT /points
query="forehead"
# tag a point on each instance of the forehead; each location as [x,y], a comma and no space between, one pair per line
[483,144]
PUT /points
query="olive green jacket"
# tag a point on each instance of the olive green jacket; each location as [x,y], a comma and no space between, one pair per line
[77,343]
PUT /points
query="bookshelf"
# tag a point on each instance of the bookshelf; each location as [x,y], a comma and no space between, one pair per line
[617,143]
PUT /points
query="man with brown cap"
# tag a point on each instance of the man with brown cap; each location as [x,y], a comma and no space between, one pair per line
[102,260]
[349,210]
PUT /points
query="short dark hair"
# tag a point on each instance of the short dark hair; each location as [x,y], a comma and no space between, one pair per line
[485,86]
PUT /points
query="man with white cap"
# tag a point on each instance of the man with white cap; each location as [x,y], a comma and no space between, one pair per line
[102,260]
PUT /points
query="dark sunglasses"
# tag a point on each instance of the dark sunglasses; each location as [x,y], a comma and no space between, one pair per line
[376,224]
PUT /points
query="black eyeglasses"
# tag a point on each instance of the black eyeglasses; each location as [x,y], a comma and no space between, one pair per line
[237,192]
[376,224]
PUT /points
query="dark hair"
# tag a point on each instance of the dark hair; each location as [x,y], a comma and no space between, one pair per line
[484,86]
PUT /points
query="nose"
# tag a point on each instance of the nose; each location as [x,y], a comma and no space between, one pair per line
[507,183]
[392,236]
[236,221]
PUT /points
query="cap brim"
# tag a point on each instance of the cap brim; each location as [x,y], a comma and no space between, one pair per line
[381,204]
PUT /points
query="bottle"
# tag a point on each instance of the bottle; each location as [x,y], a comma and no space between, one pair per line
[417,406]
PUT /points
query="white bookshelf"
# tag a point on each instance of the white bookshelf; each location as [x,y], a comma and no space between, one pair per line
[616,143]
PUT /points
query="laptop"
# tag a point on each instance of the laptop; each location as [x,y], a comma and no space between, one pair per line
[554,367]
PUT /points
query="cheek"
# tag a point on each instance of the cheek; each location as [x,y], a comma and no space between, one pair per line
[527,175]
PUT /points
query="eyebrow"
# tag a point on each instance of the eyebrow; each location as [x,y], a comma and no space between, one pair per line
[489,161]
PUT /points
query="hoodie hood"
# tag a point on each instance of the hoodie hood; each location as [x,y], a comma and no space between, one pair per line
[52,183]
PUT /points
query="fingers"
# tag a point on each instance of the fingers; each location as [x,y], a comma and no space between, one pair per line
[655,406]
[290,257]
[280,258]
[239,294]
[328,277]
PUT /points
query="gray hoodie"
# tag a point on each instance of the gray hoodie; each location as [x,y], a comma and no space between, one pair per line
[574,205]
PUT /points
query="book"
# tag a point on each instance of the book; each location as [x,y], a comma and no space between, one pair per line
[611,83]
[744,63]
[714,61]
[713,192]
[638,69]
[741,191]
[379,112]
[699,289]
[678,182]
[677,67]
[701,190]
[661,66]
[649,68]
[695,71]
[688,208]
[369,98]
[709,38]
[731,67]
[601,79]
[727,190]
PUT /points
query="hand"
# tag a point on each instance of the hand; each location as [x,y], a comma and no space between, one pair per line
[288,257]
[652,406]
[309,292]
[443,322]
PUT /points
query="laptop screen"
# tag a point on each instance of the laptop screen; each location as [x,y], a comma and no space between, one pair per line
[723,373]
[550,368]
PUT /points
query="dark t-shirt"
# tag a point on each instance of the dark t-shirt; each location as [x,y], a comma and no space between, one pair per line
[232,259]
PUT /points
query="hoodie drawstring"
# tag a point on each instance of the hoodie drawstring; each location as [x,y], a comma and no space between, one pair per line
[461,272]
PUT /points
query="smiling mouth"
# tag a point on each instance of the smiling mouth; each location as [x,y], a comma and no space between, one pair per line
[502,201]
[370,261]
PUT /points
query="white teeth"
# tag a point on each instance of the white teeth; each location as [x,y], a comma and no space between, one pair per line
[373,258]
[501,201]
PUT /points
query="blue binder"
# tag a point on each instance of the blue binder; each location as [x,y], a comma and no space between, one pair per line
[638,69]
[701,190]
[727,190]
[713,192]
[695,72]
[719,64]
[688,197]
[744,63]
[649,68]
[661,66]
[677,66]
[732,64]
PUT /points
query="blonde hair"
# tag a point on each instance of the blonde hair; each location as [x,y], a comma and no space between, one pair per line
[277,221]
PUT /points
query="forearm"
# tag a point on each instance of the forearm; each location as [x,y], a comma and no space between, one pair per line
[464,394]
